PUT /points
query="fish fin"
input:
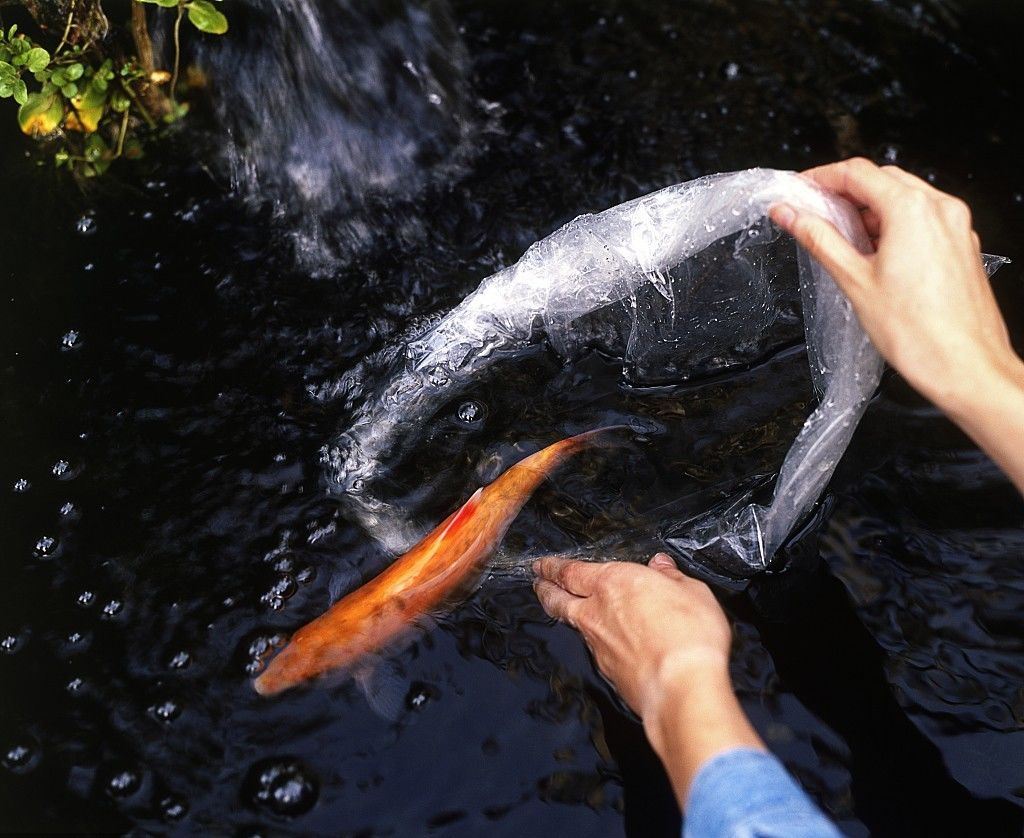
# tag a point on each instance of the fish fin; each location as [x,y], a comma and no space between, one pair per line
[384,686]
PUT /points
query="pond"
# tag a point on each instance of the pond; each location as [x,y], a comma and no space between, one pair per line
[179,345]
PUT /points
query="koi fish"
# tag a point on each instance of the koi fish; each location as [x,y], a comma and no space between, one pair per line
[440,569]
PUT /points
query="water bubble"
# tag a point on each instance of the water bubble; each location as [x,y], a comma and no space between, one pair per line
[891,154]
[112,608]
[166,711]
[258,649]
[86,599]
[173,809]
[45,547]
[9,644]
[61,468]
[74,638]
[86,225]
[419,694]
[180,660]
[470,412]
[67,509]
[434,99]
[22,485]
[305,574]
[20,758]
[283,785]
[281,590]
[731,70]
[123,783]
[74,685]
[70,339]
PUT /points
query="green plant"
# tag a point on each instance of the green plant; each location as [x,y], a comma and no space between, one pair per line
[93,108]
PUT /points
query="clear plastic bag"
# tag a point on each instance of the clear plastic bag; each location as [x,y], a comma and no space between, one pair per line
[677,282]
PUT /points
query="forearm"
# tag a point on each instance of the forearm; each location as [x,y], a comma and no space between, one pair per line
[989,407]
[695,718]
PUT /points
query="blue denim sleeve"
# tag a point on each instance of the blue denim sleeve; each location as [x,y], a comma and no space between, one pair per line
[745,793]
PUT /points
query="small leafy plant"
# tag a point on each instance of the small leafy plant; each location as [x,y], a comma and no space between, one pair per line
[94,108]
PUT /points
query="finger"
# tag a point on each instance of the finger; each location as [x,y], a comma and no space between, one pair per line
[858,180]
[663,563]
[576,577]
[976,240]
[557,602]
[826,244]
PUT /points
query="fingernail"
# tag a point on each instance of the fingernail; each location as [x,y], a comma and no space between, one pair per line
[662,559]
[783,215]
[535,566]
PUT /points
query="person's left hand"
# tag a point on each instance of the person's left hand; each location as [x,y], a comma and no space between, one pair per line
[650,628]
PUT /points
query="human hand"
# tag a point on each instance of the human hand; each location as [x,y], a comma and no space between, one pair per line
[922,296]
[663,641]
[649,628]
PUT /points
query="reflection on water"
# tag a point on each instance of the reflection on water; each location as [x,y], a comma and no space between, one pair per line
[165,519]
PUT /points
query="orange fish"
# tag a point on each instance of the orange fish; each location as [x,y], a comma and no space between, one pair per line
[440,569]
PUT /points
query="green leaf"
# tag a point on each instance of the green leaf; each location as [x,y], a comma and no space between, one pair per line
[206,18]
[11,31]
[61,157]
[119,101]
[41,114]
[74,71]
[70,90]
[167,4]
[95,148]
[177,111]
[6,89]
[7,71]
[88,108]
[37,59]
[20,92]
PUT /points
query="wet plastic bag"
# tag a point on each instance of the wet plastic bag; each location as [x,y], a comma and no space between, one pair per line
[692,306]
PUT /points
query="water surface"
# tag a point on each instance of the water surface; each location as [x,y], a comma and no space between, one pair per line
[164,511]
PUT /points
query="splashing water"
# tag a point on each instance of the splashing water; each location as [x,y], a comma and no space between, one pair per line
[328,106]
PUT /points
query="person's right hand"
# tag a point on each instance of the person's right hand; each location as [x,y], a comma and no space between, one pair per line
[923,296]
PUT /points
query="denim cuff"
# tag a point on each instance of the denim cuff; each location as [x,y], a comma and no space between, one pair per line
[744,793]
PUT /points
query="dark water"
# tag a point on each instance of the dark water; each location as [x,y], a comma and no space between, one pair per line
[160,352]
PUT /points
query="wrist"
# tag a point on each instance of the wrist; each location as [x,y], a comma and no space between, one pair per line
[693,718]
[972,392]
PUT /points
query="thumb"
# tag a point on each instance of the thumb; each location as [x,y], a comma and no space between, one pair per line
[663,563]
[826,244]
